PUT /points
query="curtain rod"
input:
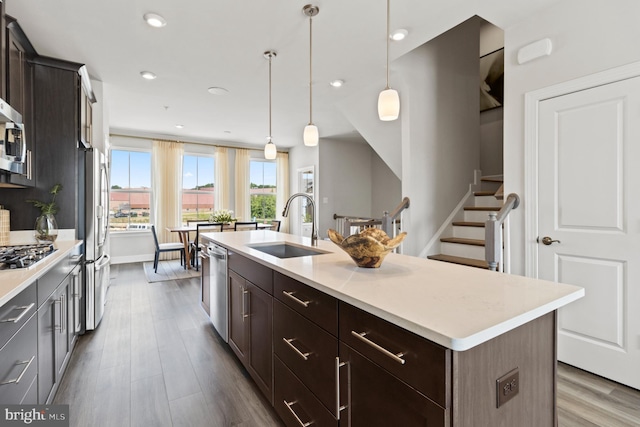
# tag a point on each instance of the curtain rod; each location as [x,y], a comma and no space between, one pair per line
[187,142]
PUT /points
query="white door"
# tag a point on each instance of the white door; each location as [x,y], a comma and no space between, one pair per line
[589,200]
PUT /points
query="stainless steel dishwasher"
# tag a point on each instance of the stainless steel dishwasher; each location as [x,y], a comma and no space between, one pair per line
[215,293]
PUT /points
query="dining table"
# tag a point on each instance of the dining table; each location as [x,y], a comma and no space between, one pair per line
[184,230]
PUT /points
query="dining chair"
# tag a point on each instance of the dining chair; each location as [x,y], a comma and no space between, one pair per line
[166,247]
[275,224]
[239,225]
[196,246]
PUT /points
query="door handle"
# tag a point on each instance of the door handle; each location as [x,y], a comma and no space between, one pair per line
[546,240]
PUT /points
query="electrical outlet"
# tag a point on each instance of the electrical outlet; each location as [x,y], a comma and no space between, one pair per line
[507,387]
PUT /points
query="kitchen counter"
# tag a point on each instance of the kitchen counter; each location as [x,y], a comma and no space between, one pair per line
[12,282]
[455,306]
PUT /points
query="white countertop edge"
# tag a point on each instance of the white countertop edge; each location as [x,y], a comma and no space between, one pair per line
[19,280]
[462,344]
[453,343]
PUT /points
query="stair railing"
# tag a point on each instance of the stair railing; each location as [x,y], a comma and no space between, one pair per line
[493,246]
[389,223]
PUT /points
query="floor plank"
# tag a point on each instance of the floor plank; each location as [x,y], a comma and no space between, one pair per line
[156,360]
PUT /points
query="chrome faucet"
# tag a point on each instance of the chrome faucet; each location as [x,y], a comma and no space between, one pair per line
[285,212]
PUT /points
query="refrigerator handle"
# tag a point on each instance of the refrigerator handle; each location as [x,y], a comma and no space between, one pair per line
[105,260]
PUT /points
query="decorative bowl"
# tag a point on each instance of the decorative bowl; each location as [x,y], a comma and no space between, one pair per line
[369,247]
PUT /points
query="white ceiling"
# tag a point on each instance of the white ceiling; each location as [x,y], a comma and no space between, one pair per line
[221,43]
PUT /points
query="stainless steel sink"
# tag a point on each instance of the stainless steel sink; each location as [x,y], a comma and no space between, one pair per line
[286,250]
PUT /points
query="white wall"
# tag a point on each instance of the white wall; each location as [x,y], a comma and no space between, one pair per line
[386,188]
[345,181]
[440,121]
[301,156]
[588,36]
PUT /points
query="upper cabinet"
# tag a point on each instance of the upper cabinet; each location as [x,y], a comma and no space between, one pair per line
[86,110]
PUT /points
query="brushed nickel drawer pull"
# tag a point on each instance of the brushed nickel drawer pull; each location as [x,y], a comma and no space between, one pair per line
[17,380]
[397,357]
[25,309]
[243,293]
[289,407]
[288,341]
[298,300]
[339,408]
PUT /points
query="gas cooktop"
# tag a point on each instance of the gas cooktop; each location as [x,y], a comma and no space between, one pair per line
[24,256]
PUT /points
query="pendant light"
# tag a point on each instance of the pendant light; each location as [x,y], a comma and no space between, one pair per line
[270,147]
[310,136]
[388,100]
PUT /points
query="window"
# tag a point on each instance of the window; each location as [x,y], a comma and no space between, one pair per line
[130,193]
[263,190]
[197,188]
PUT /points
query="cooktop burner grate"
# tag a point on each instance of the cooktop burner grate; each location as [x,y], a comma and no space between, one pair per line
[24,256]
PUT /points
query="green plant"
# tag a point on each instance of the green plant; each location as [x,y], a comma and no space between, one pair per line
[51,207]
[222,215]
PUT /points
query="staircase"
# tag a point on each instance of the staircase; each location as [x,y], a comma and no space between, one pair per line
[466,245]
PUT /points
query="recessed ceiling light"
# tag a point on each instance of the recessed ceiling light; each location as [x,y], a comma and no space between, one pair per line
[148,75]
[154,20]
[399,34]
[336,83]
[179,126]
[217,91]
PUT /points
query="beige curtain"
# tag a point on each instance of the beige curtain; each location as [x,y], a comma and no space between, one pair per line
[243,204]
[167,191]
[282,185]
[221,159]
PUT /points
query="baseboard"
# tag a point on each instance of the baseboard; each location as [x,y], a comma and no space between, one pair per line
[131,258]
[433,246]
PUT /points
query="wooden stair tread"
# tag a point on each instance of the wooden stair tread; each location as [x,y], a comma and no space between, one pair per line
[463,241]
[492,179]
[484,193]
[468,224]
[478,263]
[482,208]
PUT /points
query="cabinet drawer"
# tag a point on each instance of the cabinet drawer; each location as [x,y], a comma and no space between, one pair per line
[308,351]
[16,312]
[256,273]
[377,398]
[316,306]
[18,363]
[295,404]
[415,360]
[50,281]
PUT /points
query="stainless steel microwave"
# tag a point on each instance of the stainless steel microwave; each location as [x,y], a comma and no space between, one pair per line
[13,149]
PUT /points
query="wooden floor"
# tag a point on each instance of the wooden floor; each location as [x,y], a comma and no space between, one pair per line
[155,360]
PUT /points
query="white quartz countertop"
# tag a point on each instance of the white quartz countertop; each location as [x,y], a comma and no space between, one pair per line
[12,282]
[455,306]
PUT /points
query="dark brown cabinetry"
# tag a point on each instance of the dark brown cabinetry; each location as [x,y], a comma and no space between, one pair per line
[251,319]
[18,348]
[335,364]
[56,327]
[19,93]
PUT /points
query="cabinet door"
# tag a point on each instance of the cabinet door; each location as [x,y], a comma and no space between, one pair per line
[238,326]
[260,311]
[377,398]
[62,341]
[47,315]
[15,75]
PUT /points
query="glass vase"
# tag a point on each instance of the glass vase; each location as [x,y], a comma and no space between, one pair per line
[46,228]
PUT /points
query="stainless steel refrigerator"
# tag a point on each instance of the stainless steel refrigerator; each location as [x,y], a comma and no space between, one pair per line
[96,225]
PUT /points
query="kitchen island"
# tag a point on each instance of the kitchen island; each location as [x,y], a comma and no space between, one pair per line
[462,346]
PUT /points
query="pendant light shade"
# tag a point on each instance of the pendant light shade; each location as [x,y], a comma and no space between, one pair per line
[310,135]
[388,100]
[388,105]
[270,151]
